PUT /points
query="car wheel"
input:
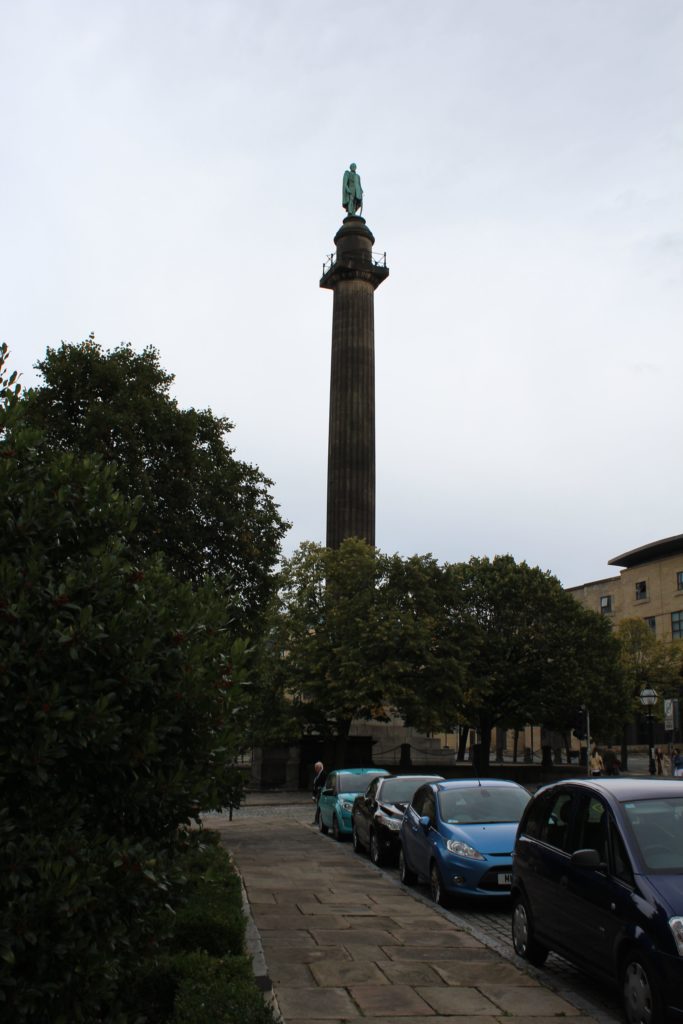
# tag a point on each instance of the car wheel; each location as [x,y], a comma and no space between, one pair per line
[408,877]
[375,851]
[336,833]
[523,939]
[439,894]
[640,999]
[357,845]
[321,824]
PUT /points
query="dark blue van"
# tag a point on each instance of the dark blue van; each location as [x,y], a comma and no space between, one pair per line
[598,878]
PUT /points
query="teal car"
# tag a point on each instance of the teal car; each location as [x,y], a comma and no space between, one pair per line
[336,800]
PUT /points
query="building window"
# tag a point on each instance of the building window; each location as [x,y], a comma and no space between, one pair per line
[679,580]
[641,591]
[677,625]
[606,604]
[652,623]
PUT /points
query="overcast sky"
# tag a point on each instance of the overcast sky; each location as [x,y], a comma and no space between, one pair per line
[171,176]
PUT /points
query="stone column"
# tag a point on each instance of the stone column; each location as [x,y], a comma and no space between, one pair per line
[353,275]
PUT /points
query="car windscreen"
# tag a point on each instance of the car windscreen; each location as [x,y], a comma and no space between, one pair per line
[657,826]
[354,783]
[479,805]
[399,791]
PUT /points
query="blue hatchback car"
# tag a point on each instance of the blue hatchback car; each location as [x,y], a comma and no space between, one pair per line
[459,835]
[598,877]
[335,803]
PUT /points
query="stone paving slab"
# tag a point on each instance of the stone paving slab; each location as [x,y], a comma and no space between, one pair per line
[343,942]
[463,1000]
[470,973]
[392,1001]
[324,1003]
[527,1002]
[354,973]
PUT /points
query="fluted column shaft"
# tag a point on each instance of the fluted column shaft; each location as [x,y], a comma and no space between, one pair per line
[351,446]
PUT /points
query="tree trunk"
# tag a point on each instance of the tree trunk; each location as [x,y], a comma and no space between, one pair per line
[624,748]
[340,741]
[462,746]
[484,746]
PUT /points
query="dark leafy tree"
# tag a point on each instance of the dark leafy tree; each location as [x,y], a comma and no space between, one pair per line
[424,643]
[538,654]
[358,634]
[645,661]
[323,642]
[210,514]
[121,708]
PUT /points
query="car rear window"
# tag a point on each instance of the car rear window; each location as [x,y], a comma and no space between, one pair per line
[354,783]
[478,805]
[399,791]
[657,826]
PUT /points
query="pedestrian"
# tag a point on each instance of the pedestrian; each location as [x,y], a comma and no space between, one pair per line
[677,763]
[659,757]
[596,762]
[318,783]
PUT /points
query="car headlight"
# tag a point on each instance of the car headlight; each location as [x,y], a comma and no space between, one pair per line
[385,819]
[346,805]
[464,850]
[676,926]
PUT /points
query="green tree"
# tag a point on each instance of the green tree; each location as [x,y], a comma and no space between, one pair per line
[120,714]
[537,654]
[325,653]
[358,634]
[425,645]
[645,661]
[210,514]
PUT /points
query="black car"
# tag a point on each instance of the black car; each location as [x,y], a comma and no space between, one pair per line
[376,816]
[598,878]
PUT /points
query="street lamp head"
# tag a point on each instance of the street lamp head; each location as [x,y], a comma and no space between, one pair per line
[648,697]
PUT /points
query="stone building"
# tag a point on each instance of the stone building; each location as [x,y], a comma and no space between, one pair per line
[649,586]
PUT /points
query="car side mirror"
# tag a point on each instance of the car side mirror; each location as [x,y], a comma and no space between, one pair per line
[586,859]
[425,821]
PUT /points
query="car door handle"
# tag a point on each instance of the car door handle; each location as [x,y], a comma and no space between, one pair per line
[613,907]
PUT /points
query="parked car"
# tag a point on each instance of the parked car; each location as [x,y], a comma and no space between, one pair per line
[336,800]
[459,835]
[598,877]
[376,816]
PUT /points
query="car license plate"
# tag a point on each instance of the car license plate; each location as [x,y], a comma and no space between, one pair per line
[505,879]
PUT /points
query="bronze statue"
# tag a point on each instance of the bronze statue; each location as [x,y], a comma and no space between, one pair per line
[352,193]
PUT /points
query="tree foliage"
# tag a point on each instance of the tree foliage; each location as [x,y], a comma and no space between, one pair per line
[647,661]
[120,714]
[210,514]
[538,654]
[486,643]
[325,655]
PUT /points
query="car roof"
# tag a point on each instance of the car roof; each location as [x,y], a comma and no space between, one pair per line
[627,788]
[416,778]
[444,787]
[360,771]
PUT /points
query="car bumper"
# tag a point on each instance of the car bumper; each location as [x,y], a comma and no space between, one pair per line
[485,880]
[388,840]
[671,968]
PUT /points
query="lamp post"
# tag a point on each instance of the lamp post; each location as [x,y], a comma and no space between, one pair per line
[648,698]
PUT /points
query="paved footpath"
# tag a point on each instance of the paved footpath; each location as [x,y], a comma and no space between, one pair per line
[342,941]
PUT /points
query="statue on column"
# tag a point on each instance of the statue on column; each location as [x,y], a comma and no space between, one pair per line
[352,193]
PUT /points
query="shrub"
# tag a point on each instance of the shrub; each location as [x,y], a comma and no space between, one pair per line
[220,991]
[119,712]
